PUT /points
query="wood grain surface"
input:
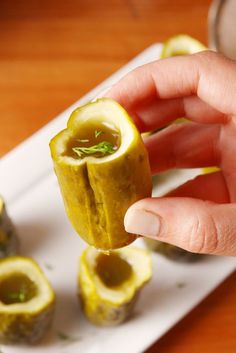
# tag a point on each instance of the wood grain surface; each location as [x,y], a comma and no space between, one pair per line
[53,52]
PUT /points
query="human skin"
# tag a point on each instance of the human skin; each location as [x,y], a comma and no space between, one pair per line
[200,215]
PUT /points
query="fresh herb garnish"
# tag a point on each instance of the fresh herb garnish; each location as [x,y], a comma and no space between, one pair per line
[103,147]
[48,266]
[67,339]
[63,336]
[18,296]
[98,133]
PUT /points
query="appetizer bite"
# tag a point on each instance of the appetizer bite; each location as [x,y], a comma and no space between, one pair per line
[27,301]
[102,168]
[109,284]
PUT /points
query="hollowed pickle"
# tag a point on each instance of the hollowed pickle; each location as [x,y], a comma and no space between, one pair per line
[109,285]
[8,238]
[27,301]
[102,167]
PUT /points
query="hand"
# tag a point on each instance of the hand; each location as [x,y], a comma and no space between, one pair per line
[199,216]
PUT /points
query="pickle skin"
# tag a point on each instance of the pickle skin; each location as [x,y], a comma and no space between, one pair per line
[22,328]
[102,313]
[99,310]
[172,252]
[9,243]
[97,195]
[26,326]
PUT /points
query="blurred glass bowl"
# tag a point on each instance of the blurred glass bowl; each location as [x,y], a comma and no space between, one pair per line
[222,27]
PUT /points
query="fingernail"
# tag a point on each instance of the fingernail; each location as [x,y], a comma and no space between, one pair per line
[142,222]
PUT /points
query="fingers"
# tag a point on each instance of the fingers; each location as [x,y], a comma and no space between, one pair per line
[187,145]
[207,75]
[192,224]
[159,113]
[211,187]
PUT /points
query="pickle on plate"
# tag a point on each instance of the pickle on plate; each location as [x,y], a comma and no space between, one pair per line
[181,44]
[171,251]
[109,284]
[102,167]
[8,237]
[27,301]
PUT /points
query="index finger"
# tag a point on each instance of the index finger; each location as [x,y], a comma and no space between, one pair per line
[208,75]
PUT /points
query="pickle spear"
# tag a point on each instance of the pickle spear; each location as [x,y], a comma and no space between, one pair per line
[109,284]
[26,301]
[8,237]
[102,167]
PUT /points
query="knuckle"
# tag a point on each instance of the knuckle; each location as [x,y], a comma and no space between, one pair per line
[204,234]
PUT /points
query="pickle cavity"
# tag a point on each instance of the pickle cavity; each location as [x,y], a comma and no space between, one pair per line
[17,288]
[112,270]
[94,139]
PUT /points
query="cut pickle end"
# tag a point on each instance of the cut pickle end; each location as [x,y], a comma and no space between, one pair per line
[181,45]
[8,238]
[172,252]
[99,184]
[27,301]
[109,284]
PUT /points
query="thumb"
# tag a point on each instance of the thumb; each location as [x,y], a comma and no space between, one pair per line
[192,224]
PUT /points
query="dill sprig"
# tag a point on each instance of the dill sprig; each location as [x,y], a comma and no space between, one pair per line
[103,147]
[19,296]
[67,339]
[98,133]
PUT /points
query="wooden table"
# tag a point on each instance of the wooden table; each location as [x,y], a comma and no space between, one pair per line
[53,52]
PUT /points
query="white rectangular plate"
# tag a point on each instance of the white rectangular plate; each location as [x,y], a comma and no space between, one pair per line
[30,188]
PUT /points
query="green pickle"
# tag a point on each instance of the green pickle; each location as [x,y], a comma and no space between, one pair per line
[27,301]
[8,239]
[102,168]
[109,284]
